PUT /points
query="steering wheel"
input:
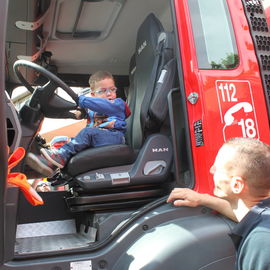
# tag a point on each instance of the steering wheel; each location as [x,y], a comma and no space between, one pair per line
[44,96]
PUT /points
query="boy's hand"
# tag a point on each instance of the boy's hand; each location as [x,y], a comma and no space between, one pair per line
[110,124]
[105,124]
[78,114]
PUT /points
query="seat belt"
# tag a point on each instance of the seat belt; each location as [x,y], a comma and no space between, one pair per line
[150,89]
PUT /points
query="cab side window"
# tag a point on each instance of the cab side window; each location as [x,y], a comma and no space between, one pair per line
[213,34]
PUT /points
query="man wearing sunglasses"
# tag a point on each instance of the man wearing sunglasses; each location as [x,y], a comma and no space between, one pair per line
[106,125]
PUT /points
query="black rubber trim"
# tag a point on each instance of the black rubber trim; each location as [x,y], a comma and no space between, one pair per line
[261,38]
[111,205]
[116,197]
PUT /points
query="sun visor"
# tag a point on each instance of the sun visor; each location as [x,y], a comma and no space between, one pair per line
[88,19]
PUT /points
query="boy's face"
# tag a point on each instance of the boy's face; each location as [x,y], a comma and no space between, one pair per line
[104,89]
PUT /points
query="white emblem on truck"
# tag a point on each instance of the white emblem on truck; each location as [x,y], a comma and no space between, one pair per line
[237,111]
[159,150]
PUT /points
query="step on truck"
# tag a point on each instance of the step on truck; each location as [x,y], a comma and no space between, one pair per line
[194,73]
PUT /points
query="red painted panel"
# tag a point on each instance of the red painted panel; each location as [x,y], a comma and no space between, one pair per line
[231,102]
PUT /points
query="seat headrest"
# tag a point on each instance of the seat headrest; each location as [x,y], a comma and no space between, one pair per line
[147,35]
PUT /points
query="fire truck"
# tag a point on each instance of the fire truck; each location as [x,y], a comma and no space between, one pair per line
[194,73]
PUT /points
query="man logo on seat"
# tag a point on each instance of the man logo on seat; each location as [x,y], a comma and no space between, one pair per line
[142,47]
[160,150]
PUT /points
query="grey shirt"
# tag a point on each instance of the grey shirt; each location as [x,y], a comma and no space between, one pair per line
[252,238]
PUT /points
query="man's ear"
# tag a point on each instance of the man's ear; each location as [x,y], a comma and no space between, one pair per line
[237,184]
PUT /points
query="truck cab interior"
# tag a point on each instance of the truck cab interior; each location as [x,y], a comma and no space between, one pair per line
[52,44]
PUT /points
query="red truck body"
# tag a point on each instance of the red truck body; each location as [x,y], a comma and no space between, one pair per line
[220,90]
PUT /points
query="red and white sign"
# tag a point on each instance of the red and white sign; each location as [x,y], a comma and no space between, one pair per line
[237,110]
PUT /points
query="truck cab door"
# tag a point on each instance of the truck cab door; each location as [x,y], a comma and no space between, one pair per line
[223,85]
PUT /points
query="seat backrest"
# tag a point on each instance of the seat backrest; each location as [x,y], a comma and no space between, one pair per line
[153,58]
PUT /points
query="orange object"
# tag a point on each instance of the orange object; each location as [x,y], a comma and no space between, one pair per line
[20,180]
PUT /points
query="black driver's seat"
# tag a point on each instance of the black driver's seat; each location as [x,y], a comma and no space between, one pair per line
[147,159]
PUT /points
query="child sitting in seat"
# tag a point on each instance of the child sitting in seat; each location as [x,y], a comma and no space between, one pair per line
[106,125]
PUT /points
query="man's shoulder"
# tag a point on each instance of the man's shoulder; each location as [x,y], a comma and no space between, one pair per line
[264,223]
[261,230]
[254,253]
